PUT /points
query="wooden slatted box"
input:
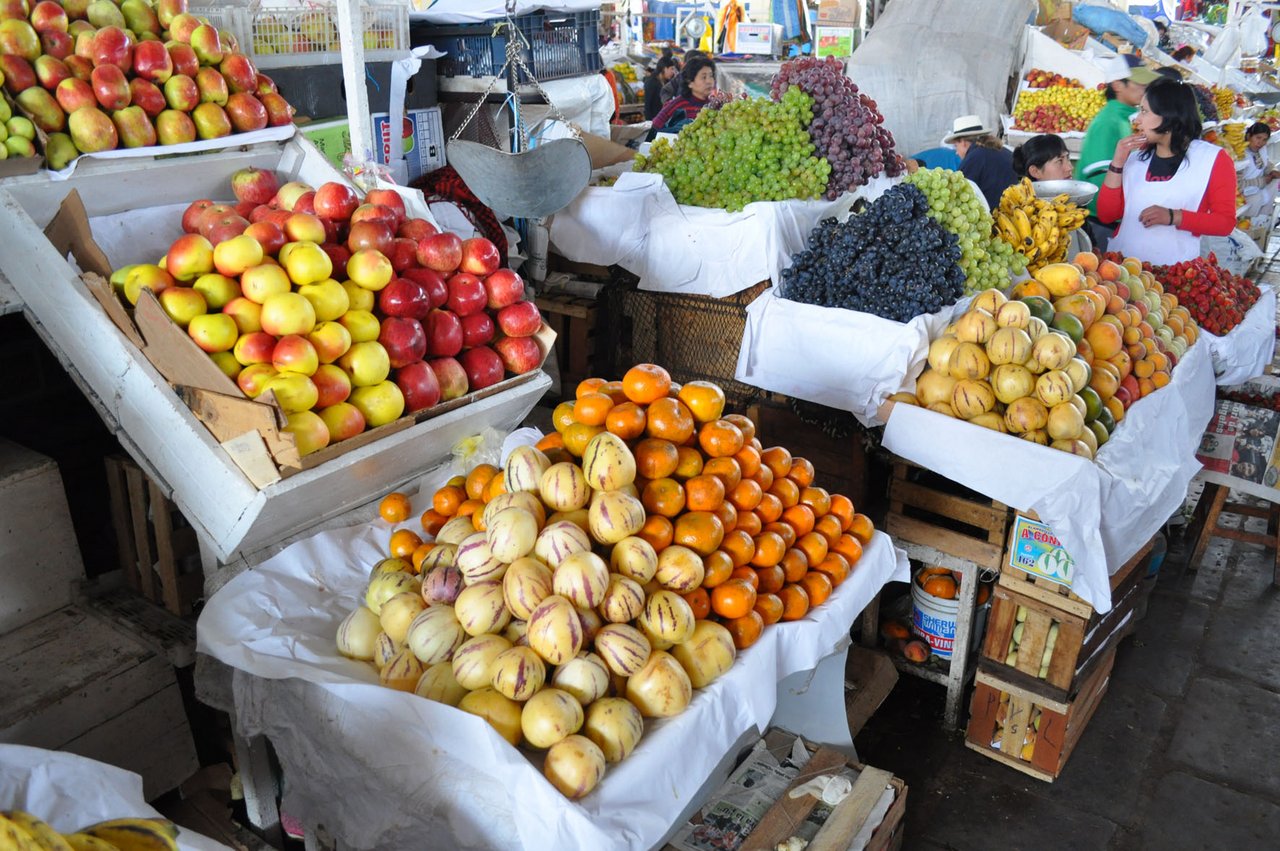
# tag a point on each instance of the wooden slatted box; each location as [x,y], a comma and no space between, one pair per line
[1081,643]
[1003,717]
[573,318]
[928,509]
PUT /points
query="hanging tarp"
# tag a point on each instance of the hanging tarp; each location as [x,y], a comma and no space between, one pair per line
[926,62]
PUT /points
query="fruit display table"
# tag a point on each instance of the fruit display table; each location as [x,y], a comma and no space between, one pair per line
[1247,350]
[425,769]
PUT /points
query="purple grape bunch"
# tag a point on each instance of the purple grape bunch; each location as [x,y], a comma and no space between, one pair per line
[847,129]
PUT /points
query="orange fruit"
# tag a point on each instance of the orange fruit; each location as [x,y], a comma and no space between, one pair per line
[663,496]
[747,574]
[862,528]
[669,419]
[746,630]
[470,507]
[626,420]
[828,526]
[562,416]
[770,508]
[720,439]
[419,554]
[592,409]
[433,521]
[744,424]
[395,508]
[748,459]
[646,383]
[771,579]
[801,472]
[700,601]
[728,516]
[403,543]
[777,459]
[740,546]
[733,598]
[785,531]
[984,593]
[800,518]
[689,463]
[817,586]
[746,495]
[769,608]
[842,507]
[578,435]
[655,458]
[770,548]
[588,385]
[849,547]
[814,546]
[547,442]
[700,531]
[447,500]
[795,602]
[817,499]
[943,587]
[496,485]
[705,400]
[657,530]
[795,564]
[749,522]
[478,478]
[613,389]
[764,476]
[705,493]
[726,468]
[786,490]
[717,567]
[835,566]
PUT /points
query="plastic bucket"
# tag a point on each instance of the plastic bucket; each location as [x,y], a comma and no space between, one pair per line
[934,620]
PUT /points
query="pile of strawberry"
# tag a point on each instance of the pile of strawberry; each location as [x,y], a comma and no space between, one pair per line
[1253,399]
[1214,297]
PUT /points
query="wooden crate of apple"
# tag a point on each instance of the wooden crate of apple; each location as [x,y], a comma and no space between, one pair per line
[97,76]
[348,312]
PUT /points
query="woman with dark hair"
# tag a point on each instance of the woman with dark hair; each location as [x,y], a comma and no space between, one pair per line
[1166,187]
[1256,175]
[1184,54]
[1043,157]
[653,83]
[699,81]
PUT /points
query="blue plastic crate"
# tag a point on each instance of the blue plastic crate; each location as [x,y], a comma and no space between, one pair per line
[560,45]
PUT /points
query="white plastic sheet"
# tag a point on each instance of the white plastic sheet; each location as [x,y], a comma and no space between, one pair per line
[840,358]
[70,792]
[408,768]
[1246,350]
[637,224]
[1102,511]
[473,12]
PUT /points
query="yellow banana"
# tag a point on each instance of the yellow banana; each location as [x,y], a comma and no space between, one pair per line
[1022,224]
[136,834]
[44,836]
[14,837]
[85,842]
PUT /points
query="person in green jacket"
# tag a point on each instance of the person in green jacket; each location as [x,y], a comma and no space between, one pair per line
[1125,88]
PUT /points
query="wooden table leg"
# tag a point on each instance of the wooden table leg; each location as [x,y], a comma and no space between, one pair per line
[257,779]
[871,623]
[1205,520]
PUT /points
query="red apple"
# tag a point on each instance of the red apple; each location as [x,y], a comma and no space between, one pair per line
[279,110]
[246,112]
[147,95]
[305,203]
[437,290]
[416,229]
[189,257]
[404,340]
[110,87]
[294,353]
[57,44]
[51,71]
[174,127]
[466,294]
[404,297]
[268,235]
[241,75]
[480,256]
[333,385]
[336,201]
[134,127]
[503,287]
[261,212]
[254,347]
[255,184]
[521,319]
[245,208]
[181,93]
[441,252]
[220,229]
[207,44]
[370,235]
[403,254]
[253,379]
[337,253]
[289,194]
[265,85]
[375,213]
[151,61]
[72,94]
[519,354]
[477,329]
[343,420]
[18,73]
[444,333]
[112,46]
[304,227]
[184,59]
[418,382]
[388,198]
[451,377]
[483,367]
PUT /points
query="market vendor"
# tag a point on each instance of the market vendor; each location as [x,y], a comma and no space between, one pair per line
[1257,177]
[1166,186]
[1045,157]
[661,74]
[1125,87]
[699,81]
[1162,30]
[1184,54]
[982,158]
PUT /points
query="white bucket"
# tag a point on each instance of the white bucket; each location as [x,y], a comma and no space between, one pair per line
[934,620]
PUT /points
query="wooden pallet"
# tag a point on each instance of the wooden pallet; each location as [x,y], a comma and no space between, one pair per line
[1058,595]
[573,318]
[1061,723]
[1081,644]
[929,510]
[153,539]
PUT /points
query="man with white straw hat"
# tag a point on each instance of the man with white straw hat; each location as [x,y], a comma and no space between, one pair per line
[982,158]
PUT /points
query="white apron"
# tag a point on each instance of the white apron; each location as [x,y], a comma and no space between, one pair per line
[1163,244]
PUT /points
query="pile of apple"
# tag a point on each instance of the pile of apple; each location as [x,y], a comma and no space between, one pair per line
[97,76]
[348,312]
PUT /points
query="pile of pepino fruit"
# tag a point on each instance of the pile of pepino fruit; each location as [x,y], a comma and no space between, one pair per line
[603,574]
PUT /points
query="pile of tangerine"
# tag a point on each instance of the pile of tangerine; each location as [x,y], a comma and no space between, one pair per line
[773,544]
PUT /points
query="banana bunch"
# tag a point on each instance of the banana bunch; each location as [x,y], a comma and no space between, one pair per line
[1232,138]
[21,831]
[1225,98]
[1040,230]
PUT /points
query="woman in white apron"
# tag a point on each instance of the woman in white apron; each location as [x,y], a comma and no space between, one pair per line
[1166,187]
[1045,157]
[1257,178]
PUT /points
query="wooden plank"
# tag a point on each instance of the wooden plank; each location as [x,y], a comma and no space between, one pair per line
[848,816]
[1016,720]
[578,307]
[1035,636]
[1001,622]
[1066,653]
[1019,691]
[258,780]
[166,567]
[1016,764]
[950,506]
[787,813]
[117,489]
[141,532]
[956,544]
[1045,592]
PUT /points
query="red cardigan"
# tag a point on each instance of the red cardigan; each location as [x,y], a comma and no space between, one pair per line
[1216,215]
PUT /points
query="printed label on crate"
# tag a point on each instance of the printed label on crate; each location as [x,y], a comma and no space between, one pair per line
[421,140]
[1036,551]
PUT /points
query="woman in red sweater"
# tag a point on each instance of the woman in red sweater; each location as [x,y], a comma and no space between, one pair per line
[699,81]
[1166,186]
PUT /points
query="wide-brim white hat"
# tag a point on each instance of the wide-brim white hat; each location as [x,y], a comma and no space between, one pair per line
[966,125]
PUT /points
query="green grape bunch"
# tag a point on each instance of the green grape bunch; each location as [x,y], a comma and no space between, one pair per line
[986,261]
[745,151]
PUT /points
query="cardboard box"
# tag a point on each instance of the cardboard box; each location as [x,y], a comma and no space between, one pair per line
[332,138]
[422,138]
[1064,30]
[840,12]
[834,41]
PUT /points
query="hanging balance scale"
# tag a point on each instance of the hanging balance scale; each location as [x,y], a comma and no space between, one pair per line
[530,183]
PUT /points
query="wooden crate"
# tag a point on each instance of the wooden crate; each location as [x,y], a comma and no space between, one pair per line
[1081,644]
[929,510]
[1000,733]
[573,318]
[153,540]
[1055,594]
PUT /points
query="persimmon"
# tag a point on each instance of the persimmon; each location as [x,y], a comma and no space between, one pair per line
[704,492]
[663,496]
[658,531]
[395,508]
[769,608]
[740,546]
[700,531]
[745,495]
[705,400]
[771,579]
[478,478]
[720,439]
[795,564]
[795,602]
[733,598]
[745,630]
[726,469]
[626,420]
[817,586]
[645,383]
[716,567]
[770,548]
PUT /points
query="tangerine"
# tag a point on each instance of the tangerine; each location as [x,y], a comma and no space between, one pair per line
[769,608]
[658,531]
[733,598]
[705,493]
[764,476]
[592,409]
[828,526]
[700,531]
[700,601]
[842,507]
[419,554]
[403,543]
[688,463]
[777,459]
[447,500]
[478,478]
[770,548]
[726,469]
[716,567]
[578,435]
[835,566]
[744,424]
[495,486]
[746,495]
[862,528]
[663,496]
[817,499]
[656,458]
[849,547]
[728,516]
[783,530]
[771,579]
[548,442]
[942,587]
[705,400]
[801,472]
[795,602]
[814,546]
[748,459]
[800,517]
[795,564]
[720,439]
[749,522]
[646,383]
[613,389]
[395,508]
[669,419]
[626,420]
[740,546]
[433,521]
[786,490]
[770,508]
[588,385]
[746,630]
[817,586]
[470,507]
[562,416]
